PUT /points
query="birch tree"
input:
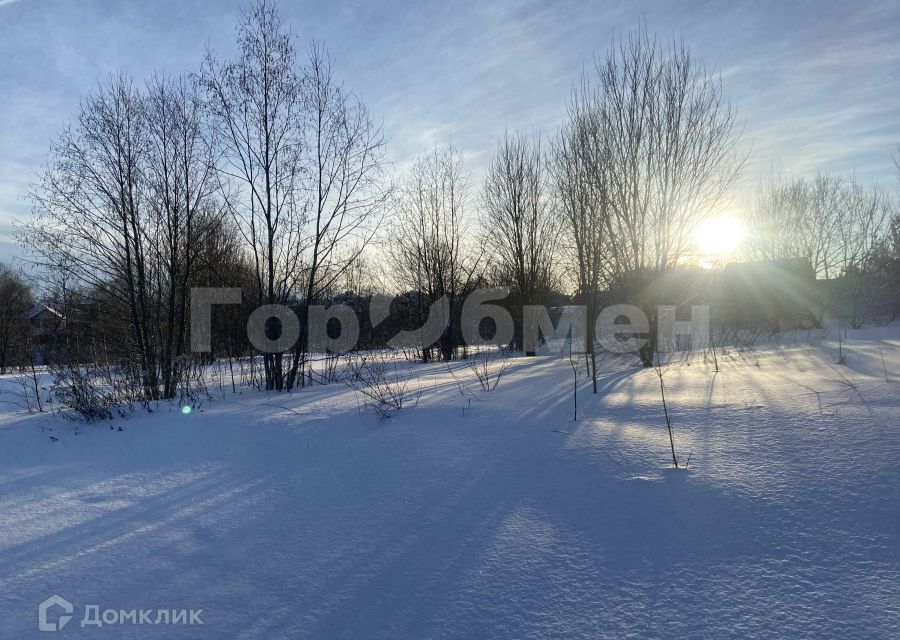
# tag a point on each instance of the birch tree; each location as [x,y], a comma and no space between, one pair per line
[256,104]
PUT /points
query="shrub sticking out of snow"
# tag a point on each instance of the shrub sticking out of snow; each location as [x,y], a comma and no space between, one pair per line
[86,396]
[92,393]
[488,366]
[380,382]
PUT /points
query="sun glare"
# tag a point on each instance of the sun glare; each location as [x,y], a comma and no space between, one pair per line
[719,236]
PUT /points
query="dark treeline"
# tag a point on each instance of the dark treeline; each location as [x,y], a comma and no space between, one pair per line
[265,172]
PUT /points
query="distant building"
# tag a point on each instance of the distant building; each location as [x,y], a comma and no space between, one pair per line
[44,320]
[777,294]
[45,326]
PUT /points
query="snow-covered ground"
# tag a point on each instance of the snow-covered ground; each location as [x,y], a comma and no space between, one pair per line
[478,515]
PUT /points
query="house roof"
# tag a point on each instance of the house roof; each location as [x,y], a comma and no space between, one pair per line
[40,308]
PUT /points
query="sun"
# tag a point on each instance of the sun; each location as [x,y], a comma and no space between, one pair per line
[719,236]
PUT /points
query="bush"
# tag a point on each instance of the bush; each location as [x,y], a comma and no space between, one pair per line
[381,385]
[81,394]
[489,367]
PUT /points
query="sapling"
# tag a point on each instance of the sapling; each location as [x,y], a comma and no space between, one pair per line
[460,385]
[24,383]
[574,363]
[712,344]
[840,347]
[883,366]
[482,364]
[660,372]
[34,382]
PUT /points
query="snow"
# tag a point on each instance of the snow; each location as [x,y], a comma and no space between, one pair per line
[479,514]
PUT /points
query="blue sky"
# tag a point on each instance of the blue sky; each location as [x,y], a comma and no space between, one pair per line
[817,84]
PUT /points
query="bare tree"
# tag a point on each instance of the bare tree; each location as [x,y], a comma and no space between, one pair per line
[519,224]
[670,137]
[180,182]
[863,240]
[345,176]
[117,205]
[644,157]
[17,299]
[361,275]
[430,252]
[799,218]
[256,103]
[839,225]
[303,167]
[579,166]
[893,261]
[91,213]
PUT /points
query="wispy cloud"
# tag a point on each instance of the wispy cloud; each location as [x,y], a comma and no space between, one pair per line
[817,89]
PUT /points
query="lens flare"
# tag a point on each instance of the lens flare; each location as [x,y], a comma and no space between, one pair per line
[719,236]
